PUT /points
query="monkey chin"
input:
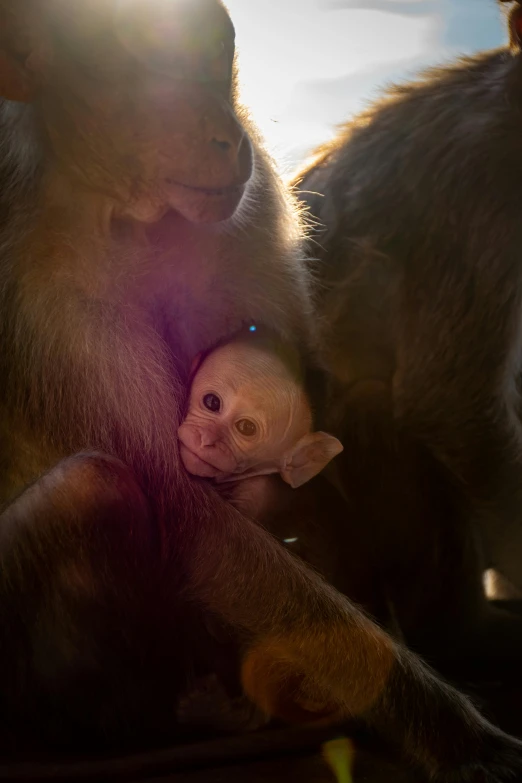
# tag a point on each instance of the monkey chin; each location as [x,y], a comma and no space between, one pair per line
[197,466]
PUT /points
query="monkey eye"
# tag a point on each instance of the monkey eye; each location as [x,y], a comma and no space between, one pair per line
[212,403]
[246,427]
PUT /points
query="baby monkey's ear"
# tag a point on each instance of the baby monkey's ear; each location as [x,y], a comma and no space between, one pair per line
[308,457]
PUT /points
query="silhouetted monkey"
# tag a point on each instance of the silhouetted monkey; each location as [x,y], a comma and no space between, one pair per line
[141,221]
[416,209]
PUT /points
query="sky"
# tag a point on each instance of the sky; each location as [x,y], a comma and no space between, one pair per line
[308,65]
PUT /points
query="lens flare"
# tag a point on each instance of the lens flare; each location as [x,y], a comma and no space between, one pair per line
[339,755]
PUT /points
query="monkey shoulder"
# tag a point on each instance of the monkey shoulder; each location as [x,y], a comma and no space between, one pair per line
[406,182]
[407,146]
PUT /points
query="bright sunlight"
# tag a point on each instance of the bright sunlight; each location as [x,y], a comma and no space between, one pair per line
[307,65]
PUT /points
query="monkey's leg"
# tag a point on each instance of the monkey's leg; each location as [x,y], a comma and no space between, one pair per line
[420,540]
[74,554]
[432,723]
[454,392]
[88,519]
[313,654]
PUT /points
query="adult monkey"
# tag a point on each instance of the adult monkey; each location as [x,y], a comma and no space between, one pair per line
[121,151]
[417,207]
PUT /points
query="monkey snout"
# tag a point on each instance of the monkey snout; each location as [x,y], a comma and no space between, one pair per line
[219,455]
[210,161]
[209,437]
[227,149]
[217,163]
[214,451]
[207,443]
[196,437]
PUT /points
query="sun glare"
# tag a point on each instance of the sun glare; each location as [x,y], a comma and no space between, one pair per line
[307,65]
[287,45]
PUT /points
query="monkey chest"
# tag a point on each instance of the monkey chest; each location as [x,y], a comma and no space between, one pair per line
[199,313]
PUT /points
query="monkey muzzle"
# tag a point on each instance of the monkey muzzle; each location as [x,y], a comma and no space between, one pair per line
[202,458]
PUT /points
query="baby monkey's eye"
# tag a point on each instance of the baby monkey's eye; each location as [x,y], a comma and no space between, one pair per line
[246,427]
[212,403]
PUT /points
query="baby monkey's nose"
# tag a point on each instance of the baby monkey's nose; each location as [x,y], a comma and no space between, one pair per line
[209,436]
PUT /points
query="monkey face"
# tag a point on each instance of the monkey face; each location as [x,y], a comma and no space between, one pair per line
[135,98]
[248,417]
[243,411]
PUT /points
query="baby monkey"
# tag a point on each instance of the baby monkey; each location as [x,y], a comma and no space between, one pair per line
[249,417]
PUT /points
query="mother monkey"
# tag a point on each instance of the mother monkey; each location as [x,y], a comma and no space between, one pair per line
[140,220]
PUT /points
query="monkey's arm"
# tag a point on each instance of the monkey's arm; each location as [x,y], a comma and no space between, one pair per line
[310,644]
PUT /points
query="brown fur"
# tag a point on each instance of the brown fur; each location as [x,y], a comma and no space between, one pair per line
[112,277]
[415,208]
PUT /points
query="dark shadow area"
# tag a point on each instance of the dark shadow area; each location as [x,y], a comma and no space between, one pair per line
[279,755]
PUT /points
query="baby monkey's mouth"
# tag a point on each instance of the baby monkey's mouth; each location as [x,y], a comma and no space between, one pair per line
[196,465]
